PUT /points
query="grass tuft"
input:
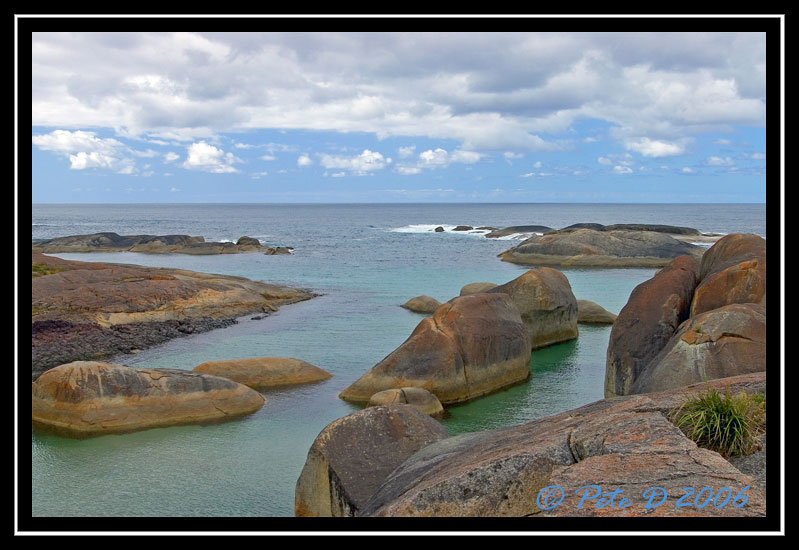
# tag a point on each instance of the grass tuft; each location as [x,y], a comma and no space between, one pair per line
[728,424]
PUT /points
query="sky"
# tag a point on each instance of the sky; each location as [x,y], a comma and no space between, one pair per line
[266,117]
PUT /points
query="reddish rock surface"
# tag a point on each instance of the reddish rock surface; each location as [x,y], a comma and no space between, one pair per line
[647,322]
[265,372]
[733,271]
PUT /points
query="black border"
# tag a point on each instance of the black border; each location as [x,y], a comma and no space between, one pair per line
[772,25]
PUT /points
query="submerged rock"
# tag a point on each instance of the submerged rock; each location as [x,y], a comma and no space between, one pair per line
[471,346]
[352,456]
[87,398]
[515,229]
[265,372]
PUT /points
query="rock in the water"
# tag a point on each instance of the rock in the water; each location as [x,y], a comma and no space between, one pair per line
[148,244]
[592,248]
[471,346]
[591,313]
[353,455]
[422,304]
[265,372]
[463,228]
[417,397]
[439,229]
[720,343]
[516,229]
[624,443]
[476,288]
[647,322]
[86,398]
[732,271]
[546,303]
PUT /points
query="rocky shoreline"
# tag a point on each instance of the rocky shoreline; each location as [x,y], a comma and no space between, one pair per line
[96,310]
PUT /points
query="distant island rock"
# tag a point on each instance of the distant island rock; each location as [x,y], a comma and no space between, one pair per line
[88,398]
[600,248]
[153,244]
[514,229]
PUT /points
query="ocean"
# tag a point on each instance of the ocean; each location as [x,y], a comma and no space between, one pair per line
[364,260]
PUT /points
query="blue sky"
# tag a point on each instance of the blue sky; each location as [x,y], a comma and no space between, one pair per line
[398,117]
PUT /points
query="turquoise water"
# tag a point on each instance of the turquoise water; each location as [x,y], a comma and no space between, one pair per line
[364,260]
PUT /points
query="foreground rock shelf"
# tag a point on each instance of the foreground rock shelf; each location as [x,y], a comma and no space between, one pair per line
[624,443]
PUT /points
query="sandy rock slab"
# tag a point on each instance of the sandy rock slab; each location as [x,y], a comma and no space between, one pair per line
[417,397]
[89,398]
[265,372]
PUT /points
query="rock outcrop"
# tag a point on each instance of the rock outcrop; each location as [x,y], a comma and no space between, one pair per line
[352,456]
[416,397]
[622,444]
[546,303]
[647,322]
[265,372]
[422,304]
[591,313]
[87,398]
[516,229]
[669,335]
[720,343]
[152,244]
[90,310]
[471,346]
[595,248]
[733,271]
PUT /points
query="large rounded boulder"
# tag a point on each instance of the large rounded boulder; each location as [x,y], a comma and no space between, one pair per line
[647,322]
[353,455]
[720,343]
[471,346]
[546,303]
[417,397]
[86,398]
[265,372]
[733,271]
[422,304]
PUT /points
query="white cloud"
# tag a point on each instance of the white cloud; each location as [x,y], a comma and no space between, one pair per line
[171,156]
[304,160]
[688,170]
[207,158]
[489,91]
[618,169]
[655,148]
[85,150]
[719,161]
[362,164]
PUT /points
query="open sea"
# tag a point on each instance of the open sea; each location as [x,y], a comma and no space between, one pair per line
[365,260]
